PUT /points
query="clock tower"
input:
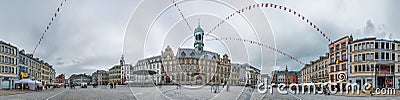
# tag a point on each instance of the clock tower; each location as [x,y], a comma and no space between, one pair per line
[198,42]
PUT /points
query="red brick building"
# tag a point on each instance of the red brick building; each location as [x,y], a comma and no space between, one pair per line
[60,79]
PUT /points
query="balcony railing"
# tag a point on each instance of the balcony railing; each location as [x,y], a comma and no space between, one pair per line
[384,72]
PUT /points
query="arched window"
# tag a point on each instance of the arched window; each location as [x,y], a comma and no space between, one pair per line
[200,38]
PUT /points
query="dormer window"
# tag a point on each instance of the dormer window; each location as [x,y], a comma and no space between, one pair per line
[183,54]
[192,54]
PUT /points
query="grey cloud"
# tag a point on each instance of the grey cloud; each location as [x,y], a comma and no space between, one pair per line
[81,33]
[59,63]
[92,31]
[59,58]
[76,61]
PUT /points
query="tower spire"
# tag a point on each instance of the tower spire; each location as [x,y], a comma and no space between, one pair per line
[286,68]
[122,61]
[198,36]
[198,22]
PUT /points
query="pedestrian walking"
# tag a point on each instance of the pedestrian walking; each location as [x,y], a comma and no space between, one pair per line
[227,88]
[217,90]
[115,85]
[212,86]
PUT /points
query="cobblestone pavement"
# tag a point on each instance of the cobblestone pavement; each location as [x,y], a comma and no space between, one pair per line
[171,92]
[148,93]
[200,92]
[41,95]
[277,96]
[13,92]
[185,93]
[234,93]
[120,93]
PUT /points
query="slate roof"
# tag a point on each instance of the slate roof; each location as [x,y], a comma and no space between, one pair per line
[189,53]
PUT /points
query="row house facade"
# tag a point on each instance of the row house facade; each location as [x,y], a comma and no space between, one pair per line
[286,77]
[8,65]
[245,74]
[236,72]
[338,58]
[115,75]
[60,79]
[320,70]
[100,77]
[366,60]
[14,62]
[305,73]
[253,75]
[79,79]
[265,78]
[317,71]
[35,68]
[375,61]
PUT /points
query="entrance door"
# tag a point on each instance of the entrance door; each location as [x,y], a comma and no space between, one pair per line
[5,84]
[380,82]
[199,80]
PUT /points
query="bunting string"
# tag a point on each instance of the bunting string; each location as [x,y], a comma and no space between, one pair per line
[48,26]
[183,17]
[274,6]
[258,44]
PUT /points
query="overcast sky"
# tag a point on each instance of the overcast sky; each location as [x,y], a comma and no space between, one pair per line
[89,34]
